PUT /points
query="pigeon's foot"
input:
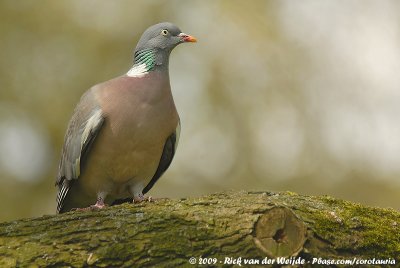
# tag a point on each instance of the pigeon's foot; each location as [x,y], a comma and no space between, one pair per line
[141,198]
[99,205]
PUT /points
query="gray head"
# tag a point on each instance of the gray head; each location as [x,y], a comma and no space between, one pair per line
[157,42]
[163,36]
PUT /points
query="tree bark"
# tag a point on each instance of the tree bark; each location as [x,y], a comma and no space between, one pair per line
[216,229]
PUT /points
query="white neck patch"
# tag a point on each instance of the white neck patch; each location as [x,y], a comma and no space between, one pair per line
[138,70]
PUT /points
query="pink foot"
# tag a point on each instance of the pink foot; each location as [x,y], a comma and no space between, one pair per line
[99,205]
[141,198]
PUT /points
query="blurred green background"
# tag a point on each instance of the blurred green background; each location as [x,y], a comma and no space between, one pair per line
[276,95]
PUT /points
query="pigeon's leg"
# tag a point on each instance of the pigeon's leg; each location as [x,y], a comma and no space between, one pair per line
[137,191]
[137,198]
[101,196]
[99,204]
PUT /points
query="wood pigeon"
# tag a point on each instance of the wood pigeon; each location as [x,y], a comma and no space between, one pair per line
[124,132]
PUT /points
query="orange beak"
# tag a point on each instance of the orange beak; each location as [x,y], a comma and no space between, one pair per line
[187,38]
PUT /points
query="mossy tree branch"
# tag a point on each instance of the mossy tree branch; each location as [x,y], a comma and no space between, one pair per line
[233,224]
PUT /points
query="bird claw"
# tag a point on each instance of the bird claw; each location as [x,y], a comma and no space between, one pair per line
[95,207]
[142,198]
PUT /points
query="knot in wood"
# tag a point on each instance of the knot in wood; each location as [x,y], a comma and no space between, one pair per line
[278,232]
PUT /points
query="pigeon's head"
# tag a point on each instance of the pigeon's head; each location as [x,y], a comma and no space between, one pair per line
[163,36]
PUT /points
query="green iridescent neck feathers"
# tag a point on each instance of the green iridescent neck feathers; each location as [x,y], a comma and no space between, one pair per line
[145,60]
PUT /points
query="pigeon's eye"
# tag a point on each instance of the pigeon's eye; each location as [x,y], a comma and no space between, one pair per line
[164,32]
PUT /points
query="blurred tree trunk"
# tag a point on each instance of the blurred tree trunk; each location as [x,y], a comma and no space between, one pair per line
[220,228]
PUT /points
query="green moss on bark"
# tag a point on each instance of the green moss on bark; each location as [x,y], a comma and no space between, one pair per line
[169,232]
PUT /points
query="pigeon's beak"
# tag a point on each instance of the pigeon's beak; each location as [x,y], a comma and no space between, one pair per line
[187,38]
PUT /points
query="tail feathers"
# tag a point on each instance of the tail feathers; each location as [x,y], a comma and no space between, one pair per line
[63,189]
